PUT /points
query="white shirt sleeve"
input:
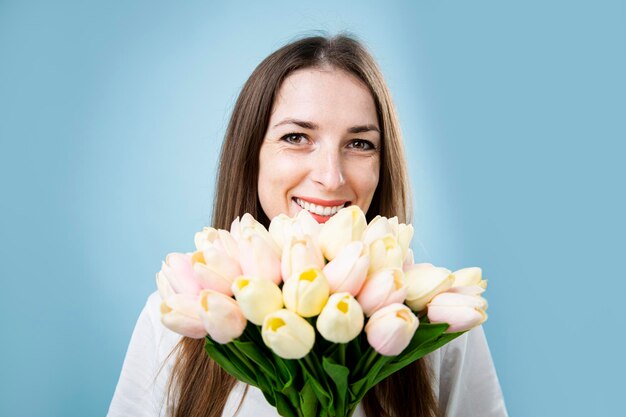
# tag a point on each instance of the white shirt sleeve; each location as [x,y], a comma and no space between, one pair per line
[464,378]
[140,391]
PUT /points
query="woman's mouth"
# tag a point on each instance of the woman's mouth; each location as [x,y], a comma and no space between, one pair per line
[320,212]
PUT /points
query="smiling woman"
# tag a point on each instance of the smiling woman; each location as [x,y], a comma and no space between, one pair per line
[314,128]
[333,160]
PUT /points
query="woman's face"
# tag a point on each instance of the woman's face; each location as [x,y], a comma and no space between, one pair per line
[321,150]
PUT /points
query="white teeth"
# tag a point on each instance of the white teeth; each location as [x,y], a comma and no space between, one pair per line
[319,210]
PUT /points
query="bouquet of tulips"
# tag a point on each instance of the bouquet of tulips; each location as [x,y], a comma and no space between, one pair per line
[314,315]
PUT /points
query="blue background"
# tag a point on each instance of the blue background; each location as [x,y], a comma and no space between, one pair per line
[513,114]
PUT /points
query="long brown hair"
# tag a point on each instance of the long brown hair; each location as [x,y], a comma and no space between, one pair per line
[198,387]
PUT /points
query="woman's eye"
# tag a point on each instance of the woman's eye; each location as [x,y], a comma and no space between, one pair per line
[361,144]
[294,138]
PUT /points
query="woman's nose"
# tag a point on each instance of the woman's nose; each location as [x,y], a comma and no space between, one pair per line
[327,168]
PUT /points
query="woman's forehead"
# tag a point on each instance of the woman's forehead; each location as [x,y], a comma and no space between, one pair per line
[324,96]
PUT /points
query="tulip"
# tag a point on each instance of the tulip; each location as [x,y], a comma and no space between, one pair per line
[257,258]
[179,313]
[283,227]
[221,316]
[390,329]
[222,240]
[257,297]
[248,226]
[287,334]
[299,254]
[341,320]
[177,276]
[347,272]
[215,270]
[306,293]
[470,277]
[385,253]
[342,228]
[380,227]
[424,281]
[381,289]
[461,311]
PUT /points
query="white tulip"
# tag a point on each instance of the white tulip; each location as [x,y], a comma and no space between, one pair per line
[306,293]
[257,297]
[385,253]
[287,334]
[424,281]
[342,318]
[344,227]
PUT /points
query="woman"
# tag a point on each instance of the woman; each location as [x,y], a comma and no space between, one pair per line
[314,128]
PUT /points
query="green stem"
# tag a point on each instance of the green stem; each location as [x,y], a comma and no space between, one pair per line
[371,357]
[243,358]
[342,353]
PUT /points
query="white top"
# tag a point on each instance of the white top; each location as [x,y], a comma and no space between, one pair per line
[465,380]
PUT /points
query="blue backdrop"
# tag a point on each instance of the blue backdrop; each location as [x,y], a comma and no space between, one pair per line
[112,116]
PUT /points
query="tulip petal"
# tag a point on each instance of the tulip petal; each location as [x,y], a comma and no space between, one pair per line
[179,314]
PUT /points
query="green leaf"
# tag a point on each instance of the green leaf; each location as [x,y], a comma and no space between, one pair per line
[323,396]
[218,354]
[339,376]
[252,351]
[308,400]
[284,407]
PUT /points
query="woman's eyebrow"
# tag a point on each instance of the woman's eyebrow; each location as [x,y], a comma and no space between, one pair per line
[312,126]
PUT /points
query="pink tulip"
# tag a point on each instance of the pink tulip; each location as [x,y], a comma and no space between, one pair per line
[179,313]
[257,258]
[390,329]
[221,316]
[461,311]
[215,270]
[381,289]
[347,272]
[177,276]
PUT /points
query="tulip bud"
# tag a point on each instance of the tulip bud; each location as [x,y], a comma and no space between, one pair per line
[461,311]
[342,228]
[469,277]
[219,239]
[249,226]
[381,289]
[347,272]
[385,253]
[390,329]
[280,229]
[257,297]
[205,238]
[178,272]
[221,316]
[287,334]
[258,259]
[215,270]
[378,228]
[424,281]
[341,320]
[283,227]
[306,293]
[179,313]
[299,254]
